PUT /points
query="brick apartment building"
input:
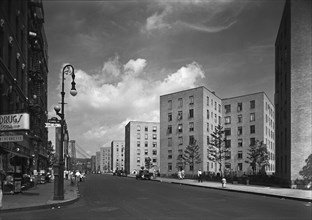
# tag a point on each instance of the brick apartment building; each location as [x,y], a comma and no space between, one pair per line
[185,116]
[141,142]
[293,89]
[246,119]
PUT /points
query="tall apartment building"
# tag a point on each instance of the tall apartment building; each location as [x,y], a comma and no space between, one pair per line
[186,116]
[141,142]
[105,159]
[118,155]
[248,118]
[23,84]
[293,89]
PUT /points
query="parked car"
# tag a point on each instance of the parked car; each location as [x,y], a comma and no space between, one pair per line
[143,175]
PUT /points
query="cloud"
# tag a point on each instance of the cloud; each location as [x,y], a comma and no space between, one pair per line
[101,109]
[201,15]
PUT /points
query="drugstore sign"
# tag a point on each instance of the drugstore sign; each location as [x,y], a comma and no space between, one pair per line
[14,122]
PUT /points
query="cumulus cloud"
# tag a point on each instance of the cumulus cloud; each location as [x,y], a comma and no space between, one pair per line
[101,109]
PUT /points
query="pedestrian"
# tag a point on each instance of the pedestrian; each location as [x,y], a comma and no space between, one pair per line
[182,173]
[199,175]
[179,174]
[223,181]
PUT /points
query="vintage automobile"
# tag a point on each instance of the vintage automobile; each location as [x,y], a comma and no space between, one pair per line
[143,175]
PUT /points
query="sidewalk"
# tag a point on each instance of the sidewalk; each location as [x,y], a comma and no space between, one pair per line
[285,193]
[40,196]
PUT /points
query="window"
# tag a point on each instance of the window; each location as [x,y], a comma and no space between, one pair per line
[191,167]
[228,120]
[191,100]
[180,128]
[146,144]
[252,104]
[239,118]
[154,136]
[146,128]
[239,130]
[169,116]
[169,154]
[155,128]
[227,108]
[219,120]
[240,142]
[207,114]
[170,104]
[239,166]
[180,115]
[227,131]
[191,139]
[146,136]
[219,108]
[138,136]
[227,143]
[252,141]
[138,144]
[169,141]
[252,117]
[169,166]
[191,113]
[239,107]
[208,140]
[138,151]
[240,155]
[138,159]
[215,118]
[211,102]
[180,140]
[208,100]
[169,129]
[216,106]
[138,128]
[252,129]
[180,101]
[154,152]
[154,144]
[191,126]
[208,127]
[146,152]
[227,155]
[154,160]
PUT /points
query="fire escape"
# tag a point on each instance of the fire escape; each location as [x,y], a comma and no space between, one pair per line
[37,80]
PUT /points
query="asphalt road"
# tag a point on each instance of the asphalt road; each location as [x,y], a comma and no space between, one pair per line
[112,197]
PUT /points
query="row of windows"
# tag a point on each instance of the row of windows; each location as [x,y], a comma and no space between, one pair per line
[154,136]
[215,104]
[154,152]
[227,119]
[180,140]
[146,144]
[217,107]
[227,131]
[180,115]
[252,105]
[154,129]
[154,160]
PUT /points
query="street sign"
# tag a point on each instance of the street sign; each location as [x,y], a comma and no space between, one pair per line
[54,120]
[49,125]
[11,138]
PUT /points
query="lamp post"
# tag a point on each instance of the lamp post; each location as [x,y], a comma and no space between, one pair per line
[59,167]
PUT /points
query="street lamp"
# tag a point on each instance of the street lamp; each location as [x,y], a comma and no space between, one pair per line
[59,167]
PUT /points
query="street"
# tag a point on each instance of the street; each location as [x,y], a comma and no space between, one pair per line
[113,197]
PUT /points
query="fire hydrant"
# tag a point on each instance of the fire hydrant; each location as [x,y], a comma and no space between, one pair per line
[223,182]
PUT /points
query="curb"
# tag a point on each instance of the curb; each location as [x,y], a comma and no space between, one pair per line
[239,191]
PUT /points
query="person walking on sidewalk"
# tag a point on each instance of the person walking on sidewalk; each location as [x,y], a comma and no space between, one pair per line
[199,176]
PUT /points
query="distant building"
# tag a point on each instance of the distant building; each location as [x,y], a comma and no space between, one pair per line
[141,142]
[293,89]
[93,164]
[97,161]
[246,119]
[118,155]
[105,159]
[186,116]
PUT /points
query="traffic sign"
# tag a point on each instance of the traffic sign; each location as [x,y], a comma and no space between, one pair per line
[48,125]
[11,138]
[54,120]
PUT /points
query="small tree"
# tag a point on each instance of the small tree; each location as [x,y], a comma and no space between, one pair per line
[218,151]
[258,156]
[148,163]
[191,155]
[51,154]
[306,171]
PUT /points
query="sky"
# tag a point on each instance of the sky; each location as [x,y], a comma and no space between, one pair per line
[127,53]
